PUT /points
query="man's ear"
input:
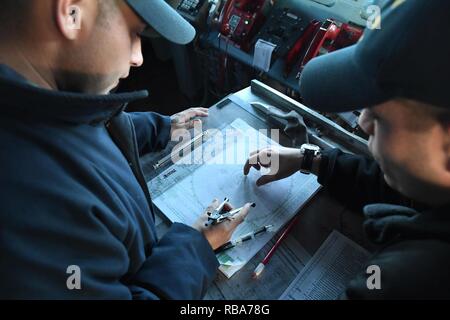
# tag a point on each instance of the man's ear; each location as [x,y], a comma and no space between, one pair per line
[69,17]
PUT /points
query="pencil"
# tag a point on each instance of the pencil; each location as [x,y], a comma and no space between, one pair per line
[244,238]
[261,266]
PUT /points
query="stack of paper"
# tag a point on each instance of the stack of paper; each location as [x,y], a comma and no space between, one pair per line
[329,271]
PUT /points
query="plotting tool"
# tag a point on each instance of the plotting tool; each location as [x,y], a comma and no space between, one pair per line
[185,147]
[219,215]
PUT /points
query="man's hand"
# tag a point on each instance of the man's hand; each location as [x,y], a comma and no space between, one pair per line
[282,162]
[221,233]
[185,119]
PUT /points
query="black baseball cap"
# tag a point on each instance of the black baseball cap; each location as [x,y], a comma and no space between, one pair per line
[164,19]
[408,57]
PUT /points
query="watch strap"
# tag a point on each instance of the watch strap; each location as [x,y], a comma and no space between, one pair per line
[307,162]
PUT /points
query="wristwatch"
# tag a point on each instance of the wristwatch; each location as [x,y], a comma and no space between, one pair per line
[309,152]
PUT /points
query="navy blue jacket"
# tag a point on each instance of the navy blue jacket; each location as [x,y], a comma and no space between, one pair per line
[72,193]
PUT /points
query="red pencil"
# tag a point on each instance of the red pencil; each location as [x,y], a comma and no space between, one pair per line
[260,268]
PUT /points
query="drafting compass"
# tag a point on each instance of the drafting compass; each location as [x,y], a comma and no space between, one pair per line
[219,215]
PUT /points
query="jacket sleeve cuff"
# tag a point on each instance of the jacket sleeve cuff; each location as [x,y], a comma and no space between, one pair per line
[209,257]
[181,266]
[327,163]
[152,131]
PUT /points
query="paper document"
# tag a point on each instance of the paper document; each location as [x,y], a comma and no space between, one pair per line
[329,271]
[262,58]
[183,191]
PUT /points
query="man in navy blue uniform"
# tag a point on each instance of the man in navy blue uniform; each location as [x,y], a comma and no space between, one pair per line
[73,197]
[399,75]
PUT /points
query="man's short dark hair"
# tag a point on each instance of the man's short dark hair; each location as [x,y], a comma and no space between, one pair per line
[107,9]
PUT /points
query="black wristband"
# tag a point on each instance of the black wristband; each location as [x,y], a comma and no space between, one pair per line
[307,161]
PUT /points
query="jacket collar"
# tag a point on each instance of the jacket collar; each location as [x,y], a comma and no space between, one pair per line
[19,97]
